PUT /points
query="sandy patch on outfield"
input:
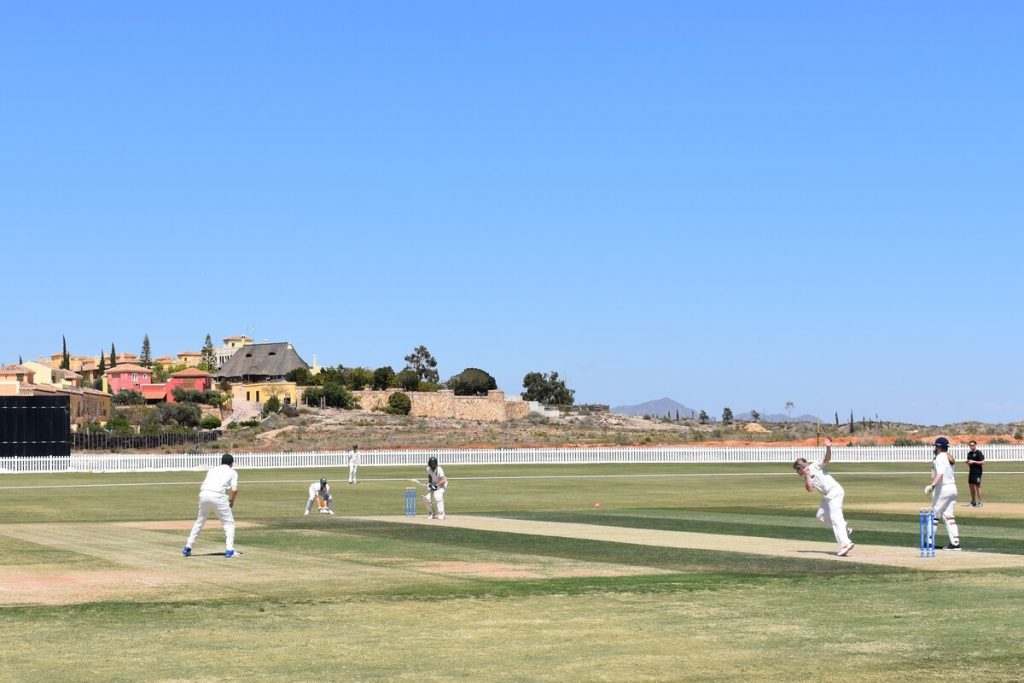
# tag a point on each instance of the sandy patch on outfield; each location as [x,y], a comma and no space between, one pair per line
[498,570]
[28,584]
[180,525]
[1014,510]
[908,557]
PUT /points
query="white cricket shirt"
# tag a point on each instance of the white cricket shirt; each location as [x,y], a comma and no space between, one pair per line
[941,465]
[220,479]
[435,476]
[314,489]
[823,482]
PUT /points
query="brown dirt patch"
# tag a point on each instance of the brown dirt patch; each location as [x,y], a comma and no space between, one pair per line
[499,570]
[44,586]
[907,557]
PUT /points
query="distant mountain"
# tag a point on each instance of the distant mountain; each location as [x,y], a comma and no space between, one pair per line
[666,406]
[658,408]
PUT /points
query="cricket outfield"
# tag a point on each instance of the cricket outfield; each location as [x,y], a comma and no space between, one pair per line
[684,572]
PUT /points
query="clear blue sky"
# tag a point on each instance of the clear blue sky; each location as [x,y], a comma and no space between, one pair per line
[729,203]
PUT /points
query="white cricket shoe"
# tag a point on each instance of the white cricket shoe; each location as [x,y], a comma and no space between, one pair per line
[440,517]
[845,550]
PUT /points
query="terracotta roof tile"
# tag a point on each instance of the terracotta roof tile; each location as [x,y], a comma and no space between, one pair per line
[127,367]
[191,372]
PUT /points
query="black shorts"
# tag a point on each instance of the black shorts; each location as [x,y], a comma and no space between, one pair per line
[974,478]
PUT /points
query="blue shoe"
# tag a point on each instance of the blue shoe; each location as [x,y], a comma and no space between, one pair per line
[186,551]
[229,553]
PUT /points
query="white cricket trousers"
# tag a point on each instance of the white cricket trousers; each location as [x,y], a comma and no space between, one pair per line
[435,500]
[831,513]
[944,499]
[211,502]
[353,467]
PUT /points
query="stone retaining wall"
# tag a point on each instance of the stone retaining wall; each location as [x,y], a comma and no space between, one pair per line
[493,407]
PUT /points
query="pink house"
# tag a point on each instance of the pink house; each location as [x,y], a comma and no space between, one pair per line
[189,378]
[128,376]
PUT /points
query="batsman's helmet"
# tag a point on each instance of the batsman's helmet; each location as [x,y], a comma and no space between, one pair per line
[226,459]
[942,442]
[323,480]
[432,462]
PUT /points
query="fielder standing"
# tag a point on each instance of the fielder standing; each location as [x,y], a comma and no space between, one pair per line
[816,478]
[322,490]
[943,491]
[437,484]
[353,464]
[213,498]
[976,462]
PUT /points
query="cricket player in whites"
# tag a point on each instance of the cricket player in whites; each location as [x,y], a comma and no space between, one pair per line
[943,491]
[320,492]
[213,499]
[816,478]
[436,485]
[353,464]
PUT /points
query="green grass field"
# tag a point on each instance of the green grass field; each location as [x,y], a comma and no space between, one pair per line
[93,586]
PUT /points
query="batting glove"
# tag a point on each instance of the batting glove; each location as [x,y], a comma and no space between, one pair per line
[432,487]
[929,488]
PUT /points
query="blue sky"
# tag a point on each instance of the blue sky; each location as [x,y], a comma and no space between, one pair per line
[729,203]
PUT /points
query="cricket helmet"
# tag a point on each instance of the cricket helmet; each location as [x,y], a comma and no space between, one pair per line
[226,459]
[323,481]
[432,462]
[942,442]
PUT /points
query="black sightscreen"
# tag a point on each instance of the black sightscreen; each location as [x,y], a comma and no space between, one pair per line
[35,426]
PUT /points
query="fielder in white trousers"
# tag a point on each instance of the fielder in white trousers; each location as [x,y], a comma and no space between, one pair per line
[214,499]
[437,483]
[353,465]
[944,494]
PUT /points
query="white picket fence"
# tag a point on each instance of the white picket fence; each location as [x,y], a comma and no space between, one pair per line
[499,456]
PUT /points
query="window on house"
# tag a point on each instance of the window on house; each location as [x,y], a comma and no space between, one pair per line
[257,397]
[247,396]
[135,377]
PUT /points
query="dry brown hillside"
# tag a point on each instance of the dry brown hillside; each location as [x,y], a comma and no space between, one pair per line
[331,429]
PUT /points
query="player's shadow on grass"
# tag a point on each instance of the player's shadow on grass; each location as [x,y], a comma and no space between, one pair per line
[220,554]
[827,553]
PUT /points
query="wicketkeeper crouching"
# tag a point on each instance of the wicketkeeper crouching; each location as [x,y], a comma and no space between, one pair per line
[321,493]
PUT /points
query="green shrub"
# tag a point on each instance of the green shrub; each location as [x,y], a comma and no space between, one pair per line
[999,441]
[383,378]
[209,397]
[472,382]
[357,379]
[128,397]
[399,404]
[210,422]
[408,380]
[272,406]
[181,414]
[119,424]
[904,441]
[300,376]
[332,396]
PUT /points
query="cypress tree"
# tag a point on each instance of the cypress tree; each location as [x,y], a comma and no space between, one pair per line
[208,360]
[113,356]
[103,362]
[65,360]
[146,355]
